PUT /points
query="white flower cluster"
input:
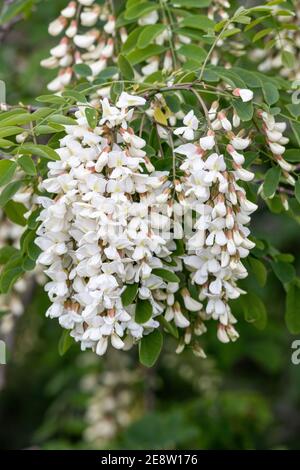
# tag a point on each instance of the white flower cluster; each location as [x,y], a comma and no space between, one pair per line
[284,55]
[82,42]
[96,235]
[114,403]
[210,187]
[218,9]
[276,142]
[11,304]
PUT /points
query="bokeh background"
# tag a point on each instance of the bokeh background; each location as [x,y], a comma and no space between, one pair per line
[245,395]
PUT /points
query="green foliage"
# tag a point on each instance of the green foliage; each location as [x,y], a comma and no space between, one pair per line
[292,313]
[271,181]
[129,294]
[143,311]
[150,347]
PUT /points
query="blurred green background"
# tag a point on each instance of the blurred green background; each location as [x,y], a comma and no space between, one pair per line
[246,395]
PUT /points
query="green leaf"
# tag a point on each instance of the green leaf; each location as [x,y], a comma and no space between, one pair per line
[148,34]
[271,181]
[65,342]
[288,59]
[261,34]
[27,165]
[17,118]
[129,294]
[173,102]
[13,9]
[170,327]
[10,130]
[9,191]
[143,311]
[139,55]
[125,67]
[75,95]
[292,155]
[230,32]
[83,70]
[9,277]
[191,3]
[259,270]
[28,264]
[201,22]
[91,115]
[132,39]
[115,90]
[32,222]
[297,190]
[15,212]
[54,99]
[43,151]
[284,271]
[6,253]
[244,110]
[166,275]
[142,9]
[162,164]
[270,92]
[64,120]
[254,310]
[150,348]
[106,74]
[191,51]
[292,311]
[7,170]
[33,250]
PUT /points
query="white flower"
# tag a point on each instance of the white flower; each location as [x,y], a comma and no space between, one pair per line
[126,100]
[190,122]
[208,142]
[85,40]
[243,93]
[69,11]
[57,26]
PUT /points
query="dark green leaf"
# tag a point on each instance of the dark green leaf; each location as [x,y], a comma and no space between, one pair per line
[150,348]
[166,275]
[65,342]
[292,312]
[292,155]
[259,270]
[254,310]
[271,181]
[284,271]
[170,327]
[143,311]
[129,294]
